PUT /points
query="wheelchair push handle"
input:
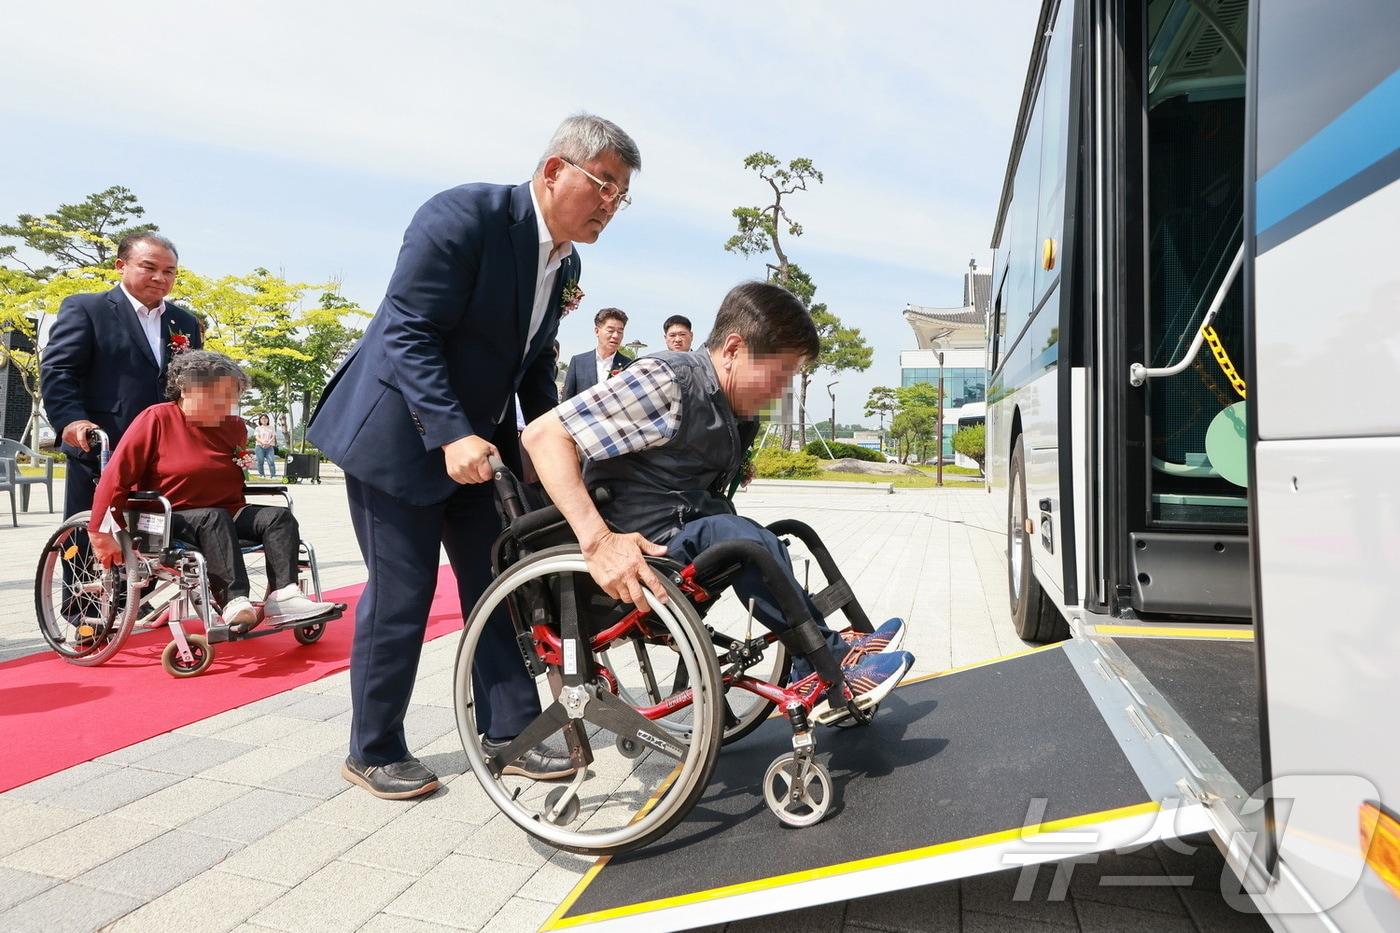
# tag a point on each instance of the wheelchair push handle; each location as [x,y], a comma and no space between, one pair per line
[99,437]
[507,488]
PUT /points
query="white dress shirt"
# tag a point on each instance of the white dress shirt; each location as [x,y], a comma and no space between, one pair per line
[150,322]
[546,270]
[605,365]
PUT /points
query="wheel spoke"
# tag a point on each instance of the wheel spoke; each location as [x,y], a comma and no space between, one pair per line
[608,712]
[544,725]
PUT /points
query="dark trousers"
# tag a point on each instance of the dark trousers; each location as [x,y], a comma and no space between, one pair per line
[216,534]
[79,485]
[703,533]
[400,546]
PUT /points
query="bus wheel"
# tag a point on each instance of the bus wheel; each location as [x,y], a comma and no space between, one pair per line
[1032,612]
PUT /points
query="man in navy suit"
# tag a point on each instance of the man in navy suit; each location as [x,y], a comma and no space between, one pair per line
[425,398]
[107,353]
[591,367]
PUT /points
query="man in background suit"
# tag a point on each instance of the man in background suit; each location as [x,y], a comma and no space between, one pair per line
[106,357]
[591,367]
[422,402]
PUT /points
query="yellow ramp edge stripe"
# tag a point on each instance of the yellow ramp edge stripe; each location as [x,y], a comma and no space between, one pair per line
[559,922]
[1172,631]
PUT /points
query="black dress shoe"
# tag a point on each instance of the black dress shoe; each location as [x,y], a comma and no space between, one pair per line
[401,780]
[538,763]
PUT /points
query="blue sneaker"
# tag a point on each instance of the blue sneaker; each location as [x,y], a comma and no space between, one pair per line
[887,637]
[871,681]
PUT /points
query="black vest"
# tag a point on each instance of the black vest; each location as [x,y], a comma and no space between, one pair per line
[656,491]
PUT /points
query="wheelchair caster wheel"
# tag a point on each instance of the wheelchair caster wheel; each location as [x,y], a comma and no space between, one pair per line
[629,748]
[309,634]
[797,798]
[177,666]
[568,814]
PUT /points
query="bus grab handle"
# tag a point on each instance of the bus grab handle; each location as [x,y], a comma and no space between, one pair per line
[1139,373]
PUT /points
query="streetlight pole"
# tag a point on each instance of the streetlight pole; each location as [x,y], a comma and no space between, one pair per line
[833,408]
[939,426]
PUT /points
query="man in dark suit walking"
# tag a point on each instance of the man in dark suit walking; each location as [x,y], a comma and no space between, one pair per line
[591,367]
[422,402]
[106,357]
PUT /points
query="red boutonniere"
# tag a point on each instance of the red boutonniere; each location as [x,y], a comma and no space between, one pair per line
[615,370]
[179,341]
[570,298]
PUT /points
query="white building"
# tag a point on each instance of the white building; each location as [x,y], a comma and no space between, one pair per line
[952,342]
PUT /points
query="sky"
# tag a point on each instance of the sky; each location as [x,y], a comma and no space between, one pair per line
[301,136]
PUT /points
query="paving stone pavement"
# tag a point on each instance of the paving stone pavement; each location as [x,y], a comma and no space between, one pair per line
[241,821]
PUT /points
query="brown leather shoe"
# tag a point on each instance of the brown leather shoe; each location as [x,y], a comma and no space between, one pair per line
[401,780]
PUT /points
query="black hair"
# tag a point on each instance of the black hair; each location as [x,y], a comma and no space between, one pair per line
[768,317]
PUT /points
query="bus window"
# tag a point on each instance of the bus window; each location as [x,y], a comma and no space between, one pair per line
[1054,100]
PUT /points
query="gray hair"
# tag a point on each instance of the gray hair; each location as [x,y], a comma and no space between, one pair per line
[145,236]
[584,136]
[190,368]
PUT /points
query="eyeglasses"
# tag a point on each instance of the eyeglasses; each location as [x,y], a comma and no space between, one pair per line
[607,190]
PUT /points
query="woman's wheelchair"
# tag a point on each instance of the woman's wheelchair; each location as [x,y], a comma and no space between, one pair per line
[645,698]
[87,611]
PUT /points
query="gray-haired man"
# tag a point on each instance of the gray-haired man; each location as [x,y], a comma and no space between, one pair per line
[421,403]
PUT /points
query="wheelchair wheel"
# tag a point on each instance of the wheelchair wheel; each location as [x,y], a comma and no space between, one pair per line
[743,711]
[86,611]
[309,634]
[624,799]
[202,655]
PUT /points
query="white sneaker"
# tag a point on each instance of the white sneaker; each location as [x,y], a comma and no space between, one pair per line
[239,613]
[289,604]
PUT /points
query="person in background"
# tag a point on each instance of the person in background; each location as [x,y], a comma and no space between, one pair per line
[591,367]
[188,449]
[107,355]
[265,446]
[678,332]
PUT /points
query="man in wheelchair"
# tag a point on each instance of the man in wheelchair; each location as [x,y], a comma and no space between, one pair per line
[187,450]
[664,437]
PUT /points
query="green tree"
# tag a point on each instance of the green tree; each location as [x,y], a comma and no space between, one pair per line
[760,230]
[971,442]
[881,402]
[257,319]
[296,361]
[842,348]
[75,235]
[915,425]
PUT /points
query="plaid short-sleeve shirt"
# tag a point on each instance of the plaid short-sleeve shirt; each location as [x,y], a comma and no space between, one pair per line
[637,409]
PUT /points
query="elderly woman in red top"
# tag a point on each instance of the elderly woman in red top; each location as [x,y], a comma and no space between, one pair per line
[187,449]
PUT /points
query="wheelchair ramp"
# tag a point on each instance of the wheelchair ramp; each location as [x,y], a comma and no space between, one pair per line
[995,766]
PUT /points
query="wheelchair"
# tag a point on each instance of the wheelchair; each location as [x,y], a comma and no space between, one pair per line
[645,698]
[87,612]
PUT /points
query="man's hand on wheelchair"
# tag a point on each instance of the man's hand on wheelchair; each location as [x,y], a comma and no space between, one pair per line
[76,434]
[106,547]
[618,564]
[467,459]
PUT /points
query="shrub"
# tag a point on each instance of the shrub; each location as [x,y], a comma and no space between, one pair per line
[972,442]
[770,463]
[841,451]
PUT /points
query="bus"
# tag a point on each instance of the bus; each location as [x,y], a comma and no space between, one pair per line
[1195,322]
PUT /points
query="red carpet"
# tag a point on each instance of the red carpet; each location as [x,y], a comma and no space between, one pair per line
[54,715]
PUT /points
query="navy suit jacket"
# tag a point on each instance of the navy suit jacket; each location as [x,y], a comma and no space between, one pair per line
[98,363]
[446,350]
[583,371]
